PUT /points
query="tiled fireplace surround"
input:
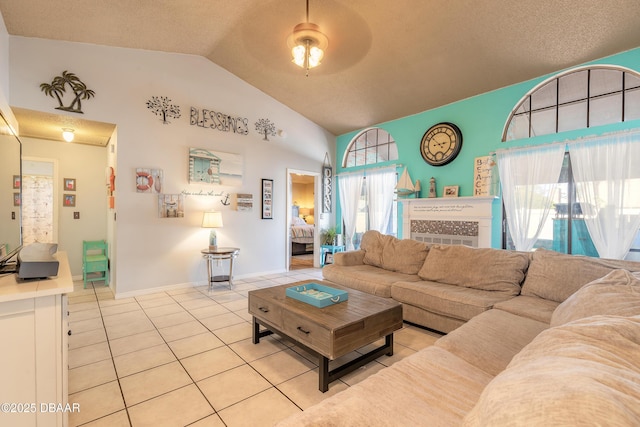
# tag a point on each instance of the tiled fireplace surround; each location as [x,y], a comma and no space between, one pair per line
[460,220]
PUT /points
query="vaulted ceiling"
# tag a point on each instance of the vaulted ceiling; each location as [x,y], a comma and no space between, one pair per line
[386,58]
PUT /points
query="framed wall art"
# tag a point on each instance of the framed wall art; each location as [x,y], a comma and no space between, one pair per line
[149,180]
[69,184]
[450,191]
[171,205]
[16,181]
[267,199]
[327,182]
[16,199]
[215,167]
[68,200]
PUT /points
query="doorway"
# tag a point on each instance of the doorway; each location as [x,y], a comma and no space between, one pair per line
[39,210]
[302,240]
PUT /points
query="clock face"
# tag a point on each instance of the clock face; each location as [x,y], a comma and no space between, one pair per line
[441,144]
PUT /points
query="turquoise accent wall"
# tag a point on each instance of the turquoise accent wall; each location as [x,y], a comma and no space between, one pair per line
[481,119]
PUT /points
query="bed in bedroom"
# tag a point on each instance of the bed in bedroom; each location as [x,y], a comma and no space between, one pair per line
[301,237]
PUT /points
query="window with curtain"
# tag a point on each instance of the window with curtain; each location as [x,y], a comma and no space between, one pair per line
[368,202]
[596,208]
[585,207]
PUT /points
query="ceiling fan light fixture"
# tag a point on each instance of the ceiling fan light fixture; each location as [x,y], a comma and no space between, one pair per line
[307,44]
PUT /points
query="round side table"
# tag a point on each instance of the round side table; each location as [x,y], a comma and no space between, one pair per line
[216,255]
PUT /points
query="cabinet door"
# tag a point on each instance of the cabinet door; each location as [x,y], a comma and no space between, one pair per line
[18,361]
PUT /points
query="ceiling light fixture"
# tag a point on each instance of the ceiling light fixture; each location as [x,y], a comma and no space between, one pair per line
[307,44]
[67,134]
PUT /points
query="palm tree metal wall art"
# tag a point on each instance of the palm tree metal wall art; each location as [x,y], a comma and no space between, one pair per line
[58,88]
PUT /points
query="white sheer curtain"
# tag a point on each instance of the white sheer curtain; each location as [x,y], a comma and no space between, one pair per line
[529,179]
[607,175]
[350,189]
[380,193]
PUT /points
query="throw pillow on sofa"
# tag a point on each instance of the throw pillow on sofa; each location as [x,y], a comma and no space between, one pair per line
[586,372]
[554,276]
[479,268]
[617,293]
[404,255]
[372,244]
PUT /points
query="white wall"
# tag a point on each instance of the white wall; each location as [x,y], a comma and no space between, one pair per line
[149,251]
[4,76]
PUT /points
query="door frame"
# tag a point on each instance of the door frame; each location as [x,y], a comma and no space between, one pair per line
[317,209]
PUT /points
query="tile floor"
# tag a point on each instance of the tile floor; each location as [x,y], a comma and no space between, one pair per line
[185,357]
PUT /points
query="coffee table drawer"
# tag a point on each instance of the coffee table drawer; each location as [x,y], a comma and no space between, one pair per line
[308,333]
[265,310]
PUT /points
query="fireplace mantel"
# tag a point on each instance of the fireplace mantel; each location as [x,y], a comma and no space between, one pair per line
[451,209]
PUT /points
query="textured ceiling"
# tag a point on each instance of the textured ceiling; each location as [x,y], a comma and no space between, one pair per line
[386,59]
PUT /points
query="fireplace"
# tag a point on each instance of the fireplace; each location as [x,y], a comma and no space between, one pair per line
[448,220]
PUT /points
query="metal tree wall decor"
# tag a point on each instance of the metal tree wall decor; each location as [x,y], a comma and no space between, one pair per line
[58,87]
[265,127]
[161,106]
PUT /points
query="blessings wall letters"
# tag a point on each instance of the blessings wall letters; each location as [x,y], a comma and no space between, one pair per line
[218,121]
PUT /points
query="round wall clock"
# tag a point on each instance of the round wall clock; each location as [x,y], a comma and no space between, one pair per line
[441,144]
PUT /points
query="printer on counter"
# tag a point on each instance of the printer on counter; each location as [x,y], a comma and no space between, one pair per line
[36,261]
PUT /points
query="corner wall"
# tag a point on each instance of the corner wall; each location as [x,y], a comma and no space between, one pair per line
[149,251]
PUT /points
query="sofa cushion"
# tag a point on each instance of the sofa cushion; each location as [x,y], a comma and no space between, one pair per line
[480,268]
[530,307]
[365,278]
[490,340]
[449,300]
[555,276]
[586,372]
[373,243]
[617,293]
[431,388]
[404,255]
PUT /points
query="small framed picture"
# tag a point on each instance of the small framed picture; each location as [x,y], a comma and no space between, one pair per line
[16,199]
[68,200]
[450,191]
[69,184]
[267,199]
[16,181]
[328,258]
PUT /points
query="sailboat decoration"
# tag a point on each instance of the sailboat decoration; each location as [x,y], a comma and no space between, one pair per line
[405,186]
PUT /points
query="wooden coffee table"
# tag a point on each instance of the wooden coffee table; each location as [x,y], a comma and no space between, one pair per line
[328,332]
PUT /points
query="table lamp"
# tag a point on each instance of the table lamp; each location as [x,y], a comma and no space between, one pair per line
[212,220]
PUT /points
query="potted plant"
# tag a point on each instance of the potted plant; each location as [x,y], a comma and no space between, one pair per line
[329,236]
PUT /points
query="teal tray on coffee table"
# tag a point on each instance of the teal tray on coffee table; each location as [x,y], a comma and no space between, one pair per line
[317,295]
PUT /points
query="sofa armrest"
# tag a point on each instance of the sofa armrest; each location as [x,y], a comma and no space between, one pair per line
[349,258]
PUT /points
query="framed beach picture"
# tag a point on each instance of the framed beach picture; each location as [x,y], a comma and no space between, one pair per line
[450,191]
[267,199]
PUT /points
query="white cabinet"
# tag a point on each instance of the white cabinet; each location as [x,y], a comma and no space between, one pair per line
[33,359]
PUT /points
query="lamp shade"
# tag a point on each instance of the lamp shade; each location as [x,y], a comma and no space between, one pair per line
[212,220]
[305,211]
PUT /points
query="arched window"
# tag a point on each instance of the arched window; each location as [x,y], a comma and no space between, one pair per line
[576,99]
[369,147]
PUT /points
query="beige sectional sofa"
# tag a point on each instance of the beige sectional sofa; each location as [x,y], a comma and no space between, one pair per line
[562,350]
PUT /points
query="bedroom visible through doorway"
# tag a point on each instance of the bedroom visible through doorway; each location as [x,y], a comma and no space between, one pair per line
[302,225]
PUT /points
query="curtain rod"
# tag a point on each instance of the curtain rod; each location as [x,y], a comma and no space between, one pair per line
[567,142]
[364,171]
